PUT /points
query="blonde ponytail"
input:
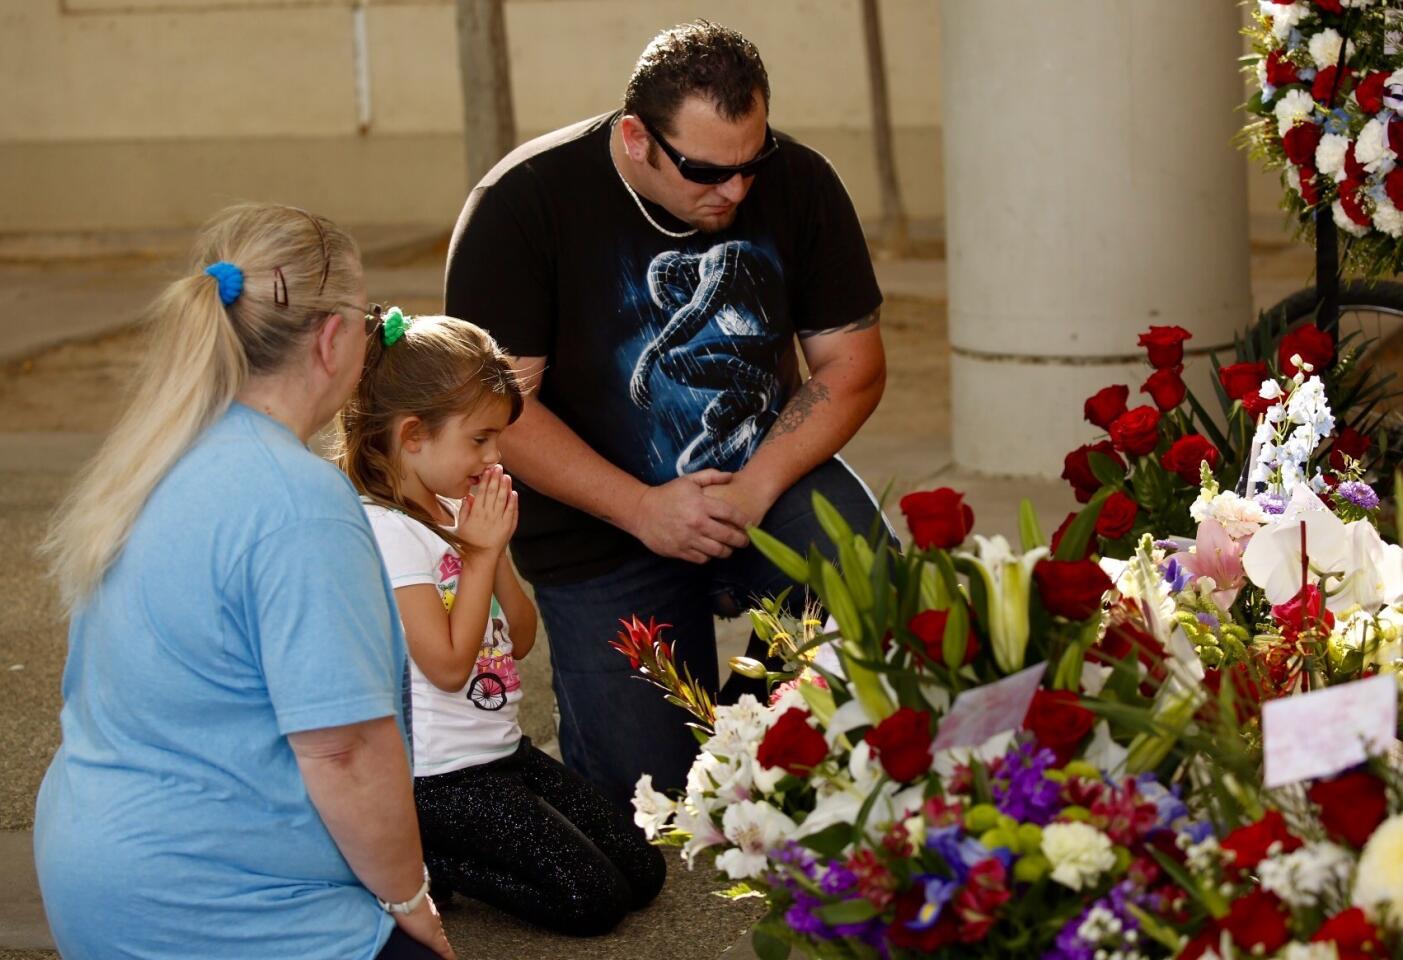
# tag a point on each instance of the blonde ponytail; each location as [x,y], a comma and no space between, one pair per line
[199,354]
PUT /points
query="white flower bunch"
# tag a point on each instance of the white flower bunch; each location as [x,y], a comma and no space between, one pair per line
[1078,852]
[1283,17]
[1289,432]
[1316,874]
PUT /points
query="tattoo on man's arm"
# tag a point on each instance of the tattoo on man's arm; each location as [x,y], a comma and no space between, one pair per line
[797,410]
[865,323]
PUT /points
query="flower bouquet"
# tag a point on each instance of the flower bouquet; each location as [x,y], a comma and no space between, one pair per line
[1318,874]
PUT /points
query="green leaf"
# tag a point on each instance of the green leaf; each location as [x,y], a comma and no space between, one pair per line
[847,911]
[767,947]
[956,640]
[830,841]
[1029,530]
[854,573]
[789,562]
[840,603]
[1110,473]
[1083,528]
[831,520]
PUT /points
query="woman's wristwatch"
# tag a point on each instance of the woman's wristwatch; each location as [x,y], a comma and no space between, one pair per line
[410,905]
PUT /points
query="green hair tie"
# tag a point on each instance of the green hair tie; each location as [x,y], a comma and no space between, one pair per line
[395,324]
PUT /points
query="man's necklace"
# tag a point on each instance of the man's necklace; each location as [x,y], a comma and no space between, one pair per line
[676,234]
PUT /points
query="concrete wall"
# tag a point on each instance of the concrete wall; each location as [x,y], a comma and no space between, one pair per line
[135,114]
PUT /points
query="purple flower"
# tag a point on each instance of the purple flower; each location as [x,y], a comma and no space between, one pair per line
[957,849]
[1070,945]
[1176,576]
[802,919]
[1272,503]
[939,892]
[837,878]
[1021,789]
[1359,493]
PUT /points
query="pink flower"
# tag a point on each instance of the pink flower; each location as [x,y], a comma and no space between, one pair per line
[1218,556]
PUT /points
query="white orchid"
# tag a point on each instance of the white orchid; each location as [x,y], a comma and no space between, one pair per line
[755,828]
[1008,581]
[1370,572]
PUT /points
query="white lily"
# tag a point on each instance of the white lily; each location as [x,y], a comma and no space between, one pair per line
[1008,581]
[701,832]
[755,829]
[651,809]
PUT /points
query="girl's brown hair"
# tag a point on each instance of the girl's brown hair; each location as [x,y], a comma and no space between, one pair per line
[440,368]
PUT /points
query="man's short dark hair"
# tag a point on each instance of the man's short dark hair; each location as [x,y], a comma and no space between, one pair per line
[700,58]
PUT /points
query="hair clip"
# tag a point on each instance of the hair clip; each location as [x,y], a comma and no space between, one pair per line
[279,287]
[394,325]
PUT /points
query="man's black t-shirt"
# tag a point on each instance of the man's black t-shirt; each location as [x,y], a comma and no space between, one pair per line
[666,355]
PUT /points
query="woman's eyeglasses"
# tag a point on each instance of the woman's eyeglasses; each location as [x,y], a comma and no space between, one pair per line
[711,173]
[374,317]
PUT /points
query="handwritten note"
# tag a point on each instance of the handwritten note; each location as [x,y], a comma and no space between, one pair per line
[983,712]
[1320,733]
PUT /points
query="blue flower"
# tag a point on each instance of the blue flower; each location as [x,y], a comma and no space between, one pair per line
[1359,493]
[1176,576]
[939,892]
[1268,91]
[957,849]
[1338,122]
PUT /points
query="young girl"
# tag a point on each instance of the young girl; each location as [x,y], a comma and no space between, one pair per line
[501,821]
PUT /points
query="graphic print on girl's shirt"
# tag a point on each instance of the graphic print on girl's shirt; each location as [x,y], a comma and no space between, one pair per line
[494,675]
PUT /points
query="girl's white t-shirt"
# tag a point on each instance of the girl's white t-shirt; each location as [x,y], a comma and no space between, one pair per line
[474,725]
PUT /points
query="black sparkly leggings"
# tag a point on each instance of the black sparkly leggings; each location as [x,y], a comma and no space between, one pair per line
[535,840]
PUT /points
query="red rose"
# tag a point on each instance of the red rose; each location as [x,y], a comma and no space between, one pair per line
[1166,387]
[1303,612]
[902,744]
[929,628]
[1241,379]
[937,518]
[1282,72]
[1076,468]
[1330,6]
[1393,185]
[1324,89]
[1250,845]
[1136,432]
[1351,806]
[1165,345]
[1117,516]
[1105,405]
[1354,170]
[1300,142]
[1350,443]
[1258,920]
[1370,92]
[1061,532]
[1059,722]
[1071,588]
[1352,205]
[1395,135]
[1207,939]
[1310,184]
[792,745]
[1185,456]
[1315,347]
[1354,937]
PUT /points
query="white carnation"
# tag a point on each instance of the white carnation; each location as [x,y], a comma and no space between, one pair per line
[1283,17]
[1388,218]
[1296,105]
[1330,156]
[1371,149]
[1325,48]
[1078,852]
[1239,516]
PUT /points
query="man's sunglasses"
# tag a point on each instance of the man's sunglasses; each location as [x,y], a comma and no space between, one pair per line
[710,173]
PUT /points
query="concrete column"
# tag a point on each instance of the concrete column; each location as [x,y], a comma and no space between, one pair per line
[1091,190]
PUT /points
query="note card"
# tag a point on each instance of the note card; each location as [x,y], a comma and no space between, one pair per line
[983,712]
[1316,734]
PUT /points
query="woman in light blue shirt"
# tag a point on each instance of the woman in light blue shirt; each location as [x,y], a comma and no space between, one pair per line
[233,779]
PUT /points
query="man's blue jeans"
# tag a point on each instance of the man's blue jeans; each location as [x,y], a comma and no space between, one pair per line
[614,725]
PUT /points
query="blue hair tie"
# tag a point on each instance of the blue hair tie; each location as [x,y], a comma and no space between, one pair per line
[231,280]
